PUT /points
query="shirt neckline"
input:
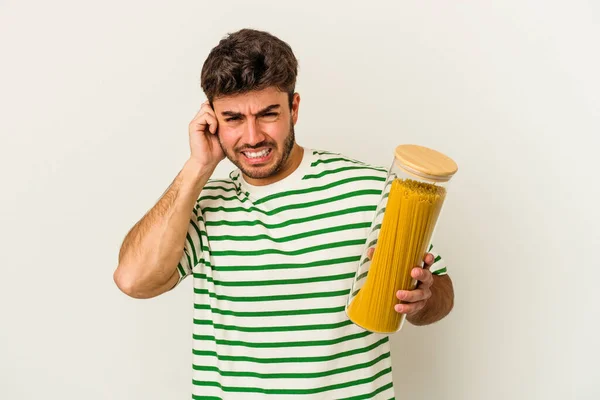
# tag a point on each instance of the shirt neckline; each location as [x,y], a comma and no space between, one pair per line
[289,182]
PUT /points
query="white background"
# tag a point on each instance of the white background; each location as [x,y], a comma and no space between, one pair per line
[95,101]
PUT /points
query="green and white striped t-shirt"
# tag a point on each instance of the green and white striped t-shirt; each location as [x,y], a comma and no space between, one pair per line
[272,268]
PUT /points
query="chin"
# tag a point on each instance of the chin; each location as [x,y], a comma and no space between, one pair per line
[259,172]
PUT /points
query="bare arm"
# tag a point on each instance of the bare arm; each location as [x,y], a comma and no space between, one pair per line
[438,305]
[153,247]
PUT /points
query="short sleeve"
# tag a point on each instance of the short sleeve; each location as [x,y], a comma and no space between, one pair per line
[194,244]
[439,265]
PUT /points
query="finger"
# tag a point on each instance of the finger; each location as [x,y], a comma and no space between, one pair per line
[422,275]
[211,117]
[204,121]
[413,296]
[205,108]
[428,259]
[410,308]
[201,110]
[370,253]
[213,123]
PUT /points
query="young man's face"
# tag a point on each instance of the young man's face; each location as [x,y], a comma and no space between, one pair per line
[256,130]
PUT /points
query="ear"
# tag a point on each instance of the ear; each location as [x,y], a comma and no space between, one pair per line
[295,107]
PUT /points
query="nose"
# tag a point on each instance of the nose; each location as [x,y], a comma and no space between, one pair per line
[253,134]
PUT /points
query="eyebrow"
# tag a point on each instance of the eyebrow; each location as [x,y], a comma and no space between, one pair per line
[264,111]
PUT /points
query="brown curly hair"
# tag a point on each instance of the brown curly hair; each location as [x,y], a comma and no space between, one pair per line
[249,60]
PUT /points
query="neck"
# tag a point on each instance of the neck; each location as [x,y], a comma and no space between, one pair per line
[291,164]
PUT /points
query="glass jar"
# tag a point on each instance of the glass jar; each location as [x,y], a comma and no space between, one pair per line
[399,237]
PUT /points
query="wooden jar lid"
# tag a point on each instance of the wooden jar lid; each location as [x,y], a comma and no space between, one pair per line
[425,162]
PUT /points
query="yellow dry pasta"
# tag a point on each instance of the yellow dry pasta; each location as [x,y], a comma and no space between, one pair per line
[411,212]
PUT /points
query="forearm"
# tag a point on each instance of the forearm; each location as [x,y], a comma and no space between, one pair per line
[153,247]
[438,305]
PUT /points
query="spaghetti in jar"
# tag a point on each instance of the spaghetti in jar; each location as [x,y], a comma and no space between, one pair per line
[400,235]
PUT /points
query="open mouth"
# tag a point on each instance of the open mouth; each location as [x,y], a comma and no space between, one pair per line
[257,157]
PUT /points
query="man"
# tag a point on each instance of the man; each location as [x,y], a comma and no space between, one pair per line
[273,249]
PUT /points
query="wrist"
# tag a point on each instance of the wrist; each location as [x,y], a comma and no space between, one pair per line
[418,318]
[195,174]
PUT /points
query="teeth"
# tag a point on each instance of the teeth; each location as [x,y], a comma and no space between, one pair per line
[257,154]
